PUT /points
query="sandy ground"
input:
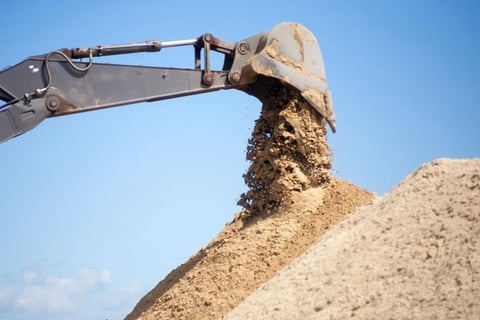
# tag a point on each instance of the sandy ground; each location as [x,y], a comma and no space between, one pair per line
[412,254]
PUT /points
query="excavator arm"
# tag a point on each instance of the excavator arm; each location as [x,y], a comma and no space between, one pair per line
[62,83]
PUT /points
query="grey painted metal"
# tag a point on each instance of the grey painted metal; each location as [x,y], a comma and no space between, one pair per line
[52,84]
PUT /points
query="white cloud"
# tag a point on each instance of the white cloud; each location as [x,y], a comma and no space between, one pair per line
[125,297]
[52,294]
[29,276]
[6,296]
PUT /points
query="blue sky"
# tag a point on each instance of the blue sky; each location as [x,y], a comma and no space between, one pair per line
[96,208]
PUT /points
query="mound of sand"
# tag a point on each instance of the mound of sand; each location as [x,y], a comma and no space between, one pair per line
[292,200]
[246,254]
[412,254]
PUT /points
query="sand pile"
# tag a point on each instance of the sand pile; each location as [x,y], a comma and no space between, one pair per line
[292,199]
[246,254]
[290,254]
[412,254]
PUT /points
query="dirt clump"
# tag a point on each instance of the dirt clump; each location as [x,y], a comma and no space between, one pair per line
[292,199]
[288,151]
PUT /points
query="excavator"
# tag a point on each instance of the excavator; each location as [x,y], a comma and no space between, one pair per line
[67,81]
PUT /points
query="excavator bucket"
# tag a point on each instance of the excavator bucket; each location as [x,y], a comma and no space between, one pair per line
[291,54]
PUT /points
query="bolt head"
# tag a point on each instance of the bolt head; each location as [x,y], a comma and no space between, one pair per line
[235,77]
[52,104]
[208,79]
[207,37]
[243,48]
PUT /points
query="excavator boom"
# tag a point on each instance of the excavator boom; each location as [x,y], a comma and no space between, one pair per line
[58,83]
